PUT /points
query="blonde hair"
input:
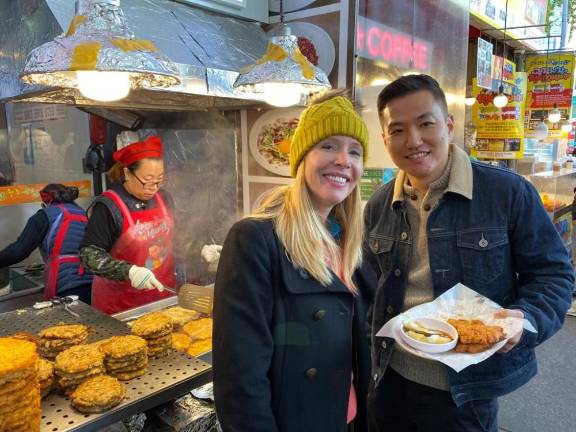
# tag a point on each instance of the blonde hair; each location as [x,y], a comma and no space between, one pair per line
[304,235]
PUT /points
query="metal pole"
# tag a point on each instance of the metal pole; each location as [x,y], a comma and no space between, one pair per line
[564,27]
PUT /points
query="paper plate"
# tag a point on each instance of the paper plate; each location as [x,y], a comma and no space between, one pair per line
[267,132]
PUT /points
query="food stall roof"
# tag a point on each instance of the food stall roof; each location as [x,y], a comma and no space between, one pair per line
[208,48]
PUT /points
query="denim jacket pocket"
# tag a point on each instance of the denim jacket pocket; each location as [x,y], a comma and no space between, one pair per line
[382,250]
[482,253]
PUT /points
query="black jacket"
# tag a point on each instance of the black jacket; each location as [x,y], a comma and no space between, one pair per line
[284,345]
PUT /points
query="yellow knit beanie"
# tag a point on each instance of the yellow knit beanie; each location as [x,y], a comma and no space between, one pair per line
[335,116]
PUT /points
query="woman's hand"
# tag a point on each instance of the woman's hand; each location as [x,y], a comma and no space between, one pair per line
[143,278]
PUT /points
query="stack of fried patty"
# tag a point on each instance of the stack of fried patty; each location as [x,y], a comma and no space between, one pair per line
[54,340]
[156,328]
[45,377]
[98,394]
[19,388]
[126,356]
[77,364]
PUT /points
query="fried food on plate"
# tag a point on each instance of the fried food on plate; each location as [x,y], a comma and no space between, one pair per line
[476,332]
[98,394]
[471,348]
[200,347]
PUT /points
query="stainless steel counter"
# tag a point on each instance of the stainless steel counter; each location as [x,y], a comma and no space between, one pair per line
[167,378]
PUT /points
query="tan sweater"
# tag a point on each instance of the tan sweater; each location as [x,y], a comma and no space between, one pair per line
[419,284]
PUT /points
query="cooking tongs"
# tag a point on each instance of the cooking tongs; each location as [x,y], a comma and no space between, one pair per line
[59,301]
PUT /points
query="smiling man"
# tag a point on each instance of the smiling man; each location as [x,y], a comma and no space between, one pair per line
[446,220]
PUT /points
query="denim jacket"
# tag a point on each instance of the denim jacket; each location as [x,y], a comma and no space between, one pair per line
[501,243]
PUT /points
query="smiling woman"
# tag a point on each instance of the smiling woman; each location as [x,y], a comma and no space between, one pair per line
[303,239]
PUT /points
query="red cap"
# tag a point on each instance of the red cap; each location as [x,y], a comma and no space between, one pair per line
[149,148]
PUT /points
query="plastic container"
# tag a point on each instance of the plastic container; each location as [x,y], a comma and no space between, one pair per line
[435,324]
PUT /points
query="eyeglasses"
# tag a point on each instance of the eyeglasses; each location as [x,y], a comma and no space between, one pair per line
[150,185]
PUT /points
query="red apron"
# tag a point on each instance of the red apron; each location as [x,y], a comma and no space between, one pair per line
[146,241]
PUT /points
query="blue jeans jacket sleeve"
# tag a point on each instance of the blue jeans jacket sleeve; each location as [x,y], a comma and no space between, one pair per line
[543,268]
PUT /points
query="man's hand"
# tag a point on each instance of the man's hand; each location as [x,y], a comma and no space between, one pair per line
[513,341]
[143,278]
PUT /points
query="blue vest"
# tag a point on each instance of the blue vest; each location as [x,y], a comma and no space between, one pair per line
[60,249]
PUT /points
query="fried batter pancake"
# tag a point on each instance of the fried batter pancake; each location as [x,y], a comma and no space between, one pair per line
[180,315]
[26,336]
[78,359]
[17,359]
[125,376]
[160,341]
[129,368]
[45,370]
[13,386]
[200,347]
[64,331]
[152,325]
[180,341]
[123,346]
[471,348]
[19,401]
[120,363]
[199,329]
[98,394]
[476,332]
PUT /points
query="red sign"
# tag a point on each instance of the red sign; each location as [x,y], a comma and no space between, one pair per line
[379,42]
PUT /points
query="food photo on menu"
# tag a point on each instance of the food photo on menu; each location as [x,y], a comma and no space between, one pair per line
[459,328]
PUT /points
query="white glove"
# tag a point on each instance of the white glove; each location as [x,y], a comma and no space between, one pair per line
[143,278]
[211,254]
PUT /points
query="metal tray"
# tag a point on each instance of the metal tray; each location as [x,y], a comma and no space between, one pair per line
[167,378]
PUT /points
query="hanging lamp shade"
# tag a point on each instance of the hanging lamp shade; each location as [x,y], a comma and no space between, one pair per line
[100,55]
[283,74]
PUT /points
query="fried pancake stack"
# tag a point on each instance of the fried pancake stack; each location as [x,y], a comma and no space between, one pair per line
[180,316]
[126,356]
[474,336]
[200,331]
[98,394]
[156,328]
[46,377]
[76,365]
[54,340]
[19,388]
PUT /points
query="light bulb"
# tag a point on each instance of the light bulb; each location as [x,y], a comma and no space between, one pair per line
[469,101]
[541,131]
[103,86]
[554,116]
[281,94]
[566,127]
[500,101]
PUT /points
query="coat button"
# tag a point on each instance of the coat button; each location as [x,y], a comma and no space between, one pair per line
[427,207]
[303,274]
[375,377]
[384,342]
[390,310]
[397,272]
[413,197]
[403,236]
[311,373]
[319,314]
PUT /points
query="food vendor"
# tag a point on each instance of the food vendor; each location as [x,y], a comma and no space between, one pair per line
[57,229]
[128,240]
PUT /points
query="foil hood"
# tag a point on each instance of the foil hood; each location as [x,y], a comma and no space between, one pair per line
[207,50]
